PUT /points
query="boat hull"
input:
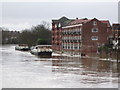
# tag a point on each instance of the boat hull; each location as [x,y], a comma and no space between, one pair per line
[22,49]
[42,54]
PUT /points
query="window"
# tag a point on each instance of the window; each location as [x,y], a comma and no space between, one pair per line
[95,30]
[107,30]
[53,39]
[75,47]
[68,47]
[59,25]
[94,23]
[55,25]
[94,37]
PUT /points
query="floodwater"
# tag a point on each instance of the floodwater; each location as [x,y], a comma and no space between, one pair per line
[21,69]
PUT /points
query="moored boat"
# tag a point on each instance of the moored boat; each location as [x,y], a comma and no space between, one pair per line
[22,47]
[42,50]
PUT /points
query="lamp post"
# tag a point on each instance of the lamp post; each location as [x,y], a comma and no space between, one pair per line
[115,46]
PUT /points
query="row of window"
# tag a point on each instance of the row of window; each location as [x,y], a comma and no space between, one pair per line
[71,41]
[75,32]
[72,38]
[71,32]
[57,25]
[71,47]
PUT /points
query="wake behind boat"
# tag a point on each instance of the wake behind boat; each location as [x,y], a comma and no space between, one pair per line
[42,50]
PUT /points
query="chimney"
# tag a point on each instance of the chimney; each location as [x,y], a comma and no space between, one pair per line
[76,18]
[85,19]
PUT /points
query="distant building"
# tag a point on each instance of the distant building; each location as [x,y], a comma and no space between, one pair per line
[116,32]
[80,35]
[10,37]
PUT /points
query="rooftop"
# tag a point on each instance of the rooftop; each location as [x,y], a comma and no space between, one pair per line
[64,21]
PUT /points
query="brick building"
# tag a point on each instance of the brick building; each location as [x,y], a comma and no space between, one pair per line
[116,32]
[57,32]
[79,35]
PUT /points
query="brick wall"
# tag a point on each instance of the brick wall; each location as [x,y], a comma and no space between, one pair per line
[90,45]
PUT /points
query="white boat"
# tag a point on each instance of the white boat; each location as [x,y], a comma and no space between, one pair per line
[42,50]
[22,47]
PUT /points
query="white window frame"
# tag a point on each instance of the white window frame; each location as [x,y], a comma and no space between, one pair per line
[94,23]
[94,38]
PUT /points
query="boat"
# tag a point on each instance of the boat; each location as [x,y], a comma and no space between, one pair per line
[42,50]
[22,47]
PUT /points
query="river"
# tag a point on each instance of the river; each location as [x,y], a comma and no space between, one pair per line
[24,70]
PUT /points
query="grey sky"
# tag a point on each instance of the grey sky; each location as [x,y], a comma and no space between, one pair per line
[18,16]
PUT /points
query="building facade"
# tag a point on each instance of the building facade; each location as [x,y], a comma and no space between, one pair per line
[81,35]
[57,25]
[116,33]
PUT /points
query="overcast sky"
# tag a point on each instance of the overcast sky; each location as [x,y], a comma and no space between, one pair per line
[21,15]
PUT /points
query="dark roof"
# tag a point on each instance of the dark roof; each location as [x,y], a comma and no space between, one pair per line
[63,21]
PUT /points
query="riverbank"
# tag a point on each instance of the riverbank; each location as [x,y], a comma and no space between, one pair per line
[91,57]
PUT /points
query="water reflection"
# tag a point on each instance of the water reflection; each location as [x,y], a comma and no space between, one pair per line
[92,71]
[87,64]
[57,71]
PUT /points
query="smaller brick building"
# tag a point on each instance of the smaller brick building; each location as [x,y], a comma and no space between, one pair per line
[80,35]
[116,32]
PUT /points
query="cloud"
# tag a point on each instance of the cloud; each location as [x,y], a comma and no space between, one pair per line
[17,27]
[14,15]
[59,0]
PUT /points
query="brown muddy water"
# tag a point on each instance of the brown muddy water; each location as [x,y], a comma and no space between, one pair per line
[24,70]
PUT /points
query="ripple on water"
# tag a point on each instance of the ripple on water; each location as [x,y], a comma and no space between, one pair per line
[22,69]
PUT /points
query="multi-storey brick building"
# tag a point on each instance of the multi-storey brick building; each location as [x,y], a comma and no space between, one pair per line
[57,32]
[80,35]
